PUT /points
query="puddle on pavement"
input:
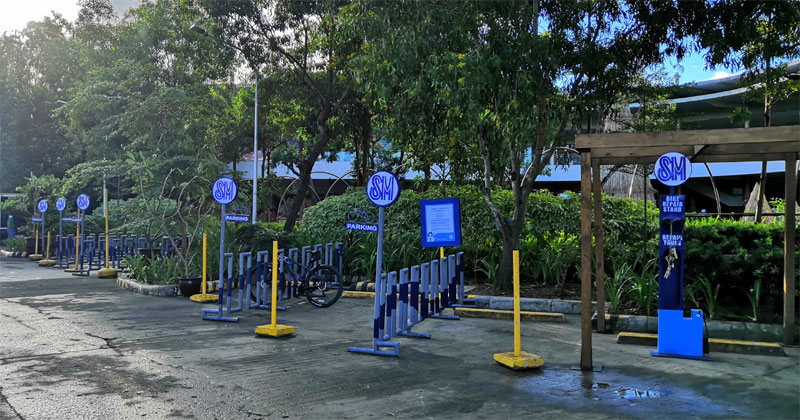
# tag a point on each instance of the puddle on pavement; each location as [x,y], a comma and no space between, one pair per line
[633,393]
[626,393]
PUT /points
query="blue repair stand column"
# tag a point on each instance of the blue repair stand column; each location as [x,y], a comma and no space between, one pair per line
[677,336]
[224,192]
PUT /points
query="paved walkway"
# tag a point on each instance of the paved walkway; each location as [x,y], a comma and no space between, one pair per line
[77,347]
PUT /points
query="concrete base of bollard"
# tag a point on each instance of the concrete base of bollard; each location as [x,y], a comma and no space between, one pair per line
[46,263]
[35,257]
[525,360]
[204,298]
[274,331]
[107,273]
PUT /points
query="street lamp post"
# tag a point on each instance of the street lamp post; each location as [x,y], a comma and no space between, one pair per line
[202,31]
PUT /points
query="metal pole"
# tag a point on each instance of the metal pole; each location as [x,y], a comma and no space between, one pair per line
[60,236]
[255,151]
[517,345]
[275,267]
[205,244]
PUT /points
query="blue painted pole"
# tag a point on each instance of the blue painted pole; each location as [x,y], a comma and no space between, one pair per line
[380,299]
[60,238]
[216,314]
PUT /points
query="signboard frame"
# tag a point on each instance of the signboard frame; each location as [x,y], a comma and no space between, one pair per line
[455,217]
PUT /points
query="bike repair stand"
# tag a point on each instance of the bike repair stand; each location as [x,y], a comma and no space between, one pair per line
[677,336]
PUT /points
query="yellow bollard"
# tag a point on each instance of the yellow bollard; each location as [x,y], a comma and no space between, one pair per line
[441,252]
[36,256]
[108,272]
[518,359]
[47,262]
[274,329]
[204,297]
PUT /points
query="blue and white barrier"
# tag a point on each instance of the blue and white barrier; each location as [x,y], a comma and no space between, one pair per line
[400,305]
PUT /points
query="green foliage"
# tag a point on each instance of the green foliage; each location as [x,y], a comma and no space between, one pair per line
[644,287]
[617,285]
[155,270]
[16,244]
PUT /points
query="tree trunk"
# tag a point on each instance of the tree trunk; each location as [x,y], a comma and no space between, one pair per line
[366,141]
[299,198]
[505,271]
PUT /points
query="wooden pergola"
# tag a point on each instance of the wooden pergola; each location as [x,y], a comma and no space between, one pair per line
[723,145]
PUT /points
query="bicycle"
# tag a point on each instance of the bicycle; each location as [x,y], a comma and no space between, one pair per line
[361,216]
[321,284]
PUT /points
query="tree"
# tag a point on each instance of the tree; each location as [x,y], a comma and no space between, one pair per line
[510,77]
[308,40]
[760,37]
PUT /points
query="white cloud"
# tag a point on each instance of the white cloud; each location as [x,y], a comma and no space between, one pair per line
[719,75]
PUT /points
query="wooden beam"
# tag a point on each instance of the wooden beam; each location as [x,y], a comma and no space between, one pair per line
[751,157]
[599,276]
[586,261]
[698,152]
[689,137]
[789,233]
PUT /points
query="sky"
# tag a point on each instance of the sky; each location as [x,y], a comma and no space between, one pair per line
[15,14]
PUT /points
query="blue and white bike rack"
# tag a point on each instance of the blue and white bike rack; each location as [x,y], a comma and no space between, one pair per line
[400,305]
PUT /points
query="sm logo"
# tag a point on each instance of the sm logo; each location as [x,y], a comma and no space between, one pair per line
[673,169]
[224,191]
[383,189]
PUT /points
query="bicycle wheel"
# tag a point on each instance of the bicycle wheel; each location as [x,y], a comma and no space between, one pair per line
[323,286]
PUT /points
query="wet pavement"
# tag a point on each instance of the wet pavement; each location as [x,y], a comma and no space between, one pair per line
[78,347]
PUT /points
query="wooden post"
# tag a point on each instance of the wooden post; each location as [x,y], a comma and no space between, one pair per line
[789,232]
[597,195]
[586,261]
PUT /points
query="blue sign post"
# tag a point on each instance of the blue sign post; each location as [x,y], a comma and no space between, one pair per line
[383,189]
[677,336]
[224,192]
[83,203]
[61,204]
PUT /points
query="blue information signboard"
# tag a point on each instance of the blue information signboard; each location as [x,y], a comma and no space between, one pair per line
[441,222]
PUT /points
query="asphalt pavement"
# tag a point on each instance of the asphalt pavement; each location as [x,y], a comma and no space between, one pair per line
[82,348]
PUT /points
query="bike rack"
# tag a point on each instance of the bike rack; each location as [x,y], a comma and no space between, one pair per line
[432,288]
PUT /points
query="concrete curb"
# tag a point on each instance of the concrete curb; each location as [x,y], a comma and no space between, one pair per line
[9,254]
[531,304]
[353,294]
[147,289]
[728,330]
[509,315]
[717,345]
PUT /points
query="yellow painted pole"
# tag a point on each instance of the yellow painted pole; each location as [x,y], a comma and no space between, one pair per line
[106,272]
[517,359]
[204,296]
[441,252]
[205,244]
[275,266]
[47,251]
[36,242]
[273,329]
[517,344]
